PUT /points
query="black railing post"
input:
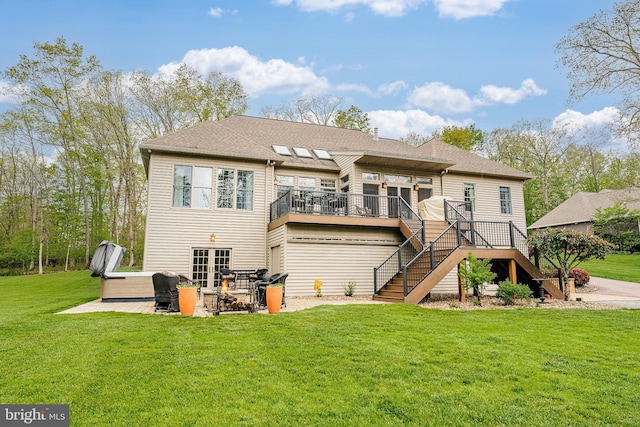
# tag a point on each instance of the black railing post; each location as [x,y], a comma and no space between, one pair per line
[404,279]
[432,257]
[473,233]
[458,232]
[511,235]
[375,280]
[424,233]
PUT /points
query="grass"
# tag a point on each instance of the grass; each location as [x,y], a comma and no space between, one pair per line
[615,266]
[355,365]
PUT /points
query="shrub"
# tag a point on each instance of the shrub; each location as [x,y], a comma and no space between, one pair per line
[349,289]
[581,276]
[509,292]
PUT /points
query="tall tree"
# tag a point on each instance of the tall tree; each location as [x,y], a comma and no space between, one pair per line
[314,108]
[536,148]
[50,83]
[602,55]
[468,138]
[353,118]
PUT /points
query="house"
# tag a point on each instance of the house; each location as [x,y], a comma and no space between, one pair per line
[576,212]
[321,202]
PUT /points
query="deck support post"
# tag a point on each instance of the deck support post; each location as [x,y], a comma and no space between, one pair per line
[461,291]
[513,277]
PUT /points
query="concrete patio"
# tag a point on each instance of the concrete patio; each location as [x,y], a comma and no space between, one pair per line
[146,307]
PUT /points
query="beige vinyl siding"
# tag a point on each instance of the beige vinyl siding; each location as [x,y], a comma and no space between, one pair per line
[488,197]
[336,256]
[172,232]
[276,238]
[347,168]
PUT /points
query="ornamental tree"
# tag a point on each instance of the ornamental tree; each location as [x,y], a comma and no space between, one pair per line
[476,274]
[566,249]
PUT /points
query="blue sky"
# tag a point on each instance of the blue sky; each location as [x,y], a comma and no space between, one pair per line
[412,65]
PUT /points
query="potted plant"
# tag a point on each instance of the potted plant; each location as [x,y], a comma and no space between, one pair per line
[187,296]
[274,297]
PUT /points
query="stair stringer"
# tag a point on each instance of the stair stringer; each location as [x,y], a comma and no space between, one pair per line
[420,291]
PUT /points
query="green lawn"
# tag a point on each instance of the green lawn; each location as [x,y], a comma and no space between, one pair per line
[349,365]
[615,266]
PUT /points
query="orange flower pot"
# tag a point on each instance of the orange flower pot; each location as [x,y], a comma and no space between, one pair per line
[187,299]
[274,299]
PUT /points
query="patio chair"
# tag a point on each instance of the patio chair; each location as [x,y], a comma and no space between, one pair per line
[257,275]
[166,292]
[262,287]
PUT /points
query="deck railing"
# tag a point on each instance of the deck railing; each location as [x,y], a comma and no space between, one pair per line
[455,210]
[342,204]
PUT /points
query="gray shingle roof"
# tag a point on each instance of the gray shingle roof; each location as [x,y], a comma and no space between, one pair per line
[251,138]
[581,207]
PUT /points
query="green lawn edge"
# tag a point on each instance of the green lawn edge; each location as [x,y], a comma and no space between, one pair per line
[332,365]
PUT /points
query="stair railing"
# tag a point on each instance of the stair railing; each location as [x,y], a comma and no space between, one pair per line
[405,252]
[489,234]
[416,270]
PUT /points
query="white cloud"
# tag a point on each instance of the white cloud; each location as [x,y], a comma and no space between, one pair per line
[256,76]
[461,9]
[392,88]
[354,87]
[9,94]
[491,94]
[390,8]
[396,124]
[442,98]
[457,9]
[575,120]
[216,12]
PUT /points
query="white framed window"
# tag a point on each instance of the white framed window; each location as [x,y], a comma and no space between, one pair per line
[281,149]
[285,183]
[302,152]
[306,183]
[322,154]
[328,184]
[235,189]
[403,179]
[470,195]
[424,181]
[370,176]
[192,186]
[505,200]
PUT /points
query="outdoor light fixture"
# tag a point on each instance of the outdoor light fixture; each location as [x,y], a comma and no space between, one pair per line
[275,181]
[384,185]
[212,238]
[416,187]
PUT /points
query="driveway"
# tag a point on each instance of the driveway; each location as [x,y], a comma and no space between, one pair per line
[612,292]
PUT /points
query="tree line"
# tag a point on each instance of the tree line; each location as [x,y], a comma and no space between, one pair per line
[71,174]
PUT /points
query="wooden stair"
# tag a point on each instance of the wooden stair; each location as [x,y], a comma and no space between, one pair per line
[394,290]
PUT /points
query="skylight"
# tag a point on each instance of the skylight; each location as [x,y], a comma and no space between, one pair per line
[302,152]
[322,154]
[281,149]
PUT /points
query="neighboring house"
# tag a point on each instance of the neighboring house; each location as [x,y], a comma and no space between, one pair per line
[576,212]
[317,202]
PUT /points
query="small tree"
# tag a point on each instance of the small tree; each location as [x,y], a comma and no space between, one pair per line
[476,274]
[616,223]
[567,249]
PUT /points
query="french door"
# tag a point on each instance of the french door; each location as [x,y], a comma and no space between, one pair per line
[395,208]
[206,262]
